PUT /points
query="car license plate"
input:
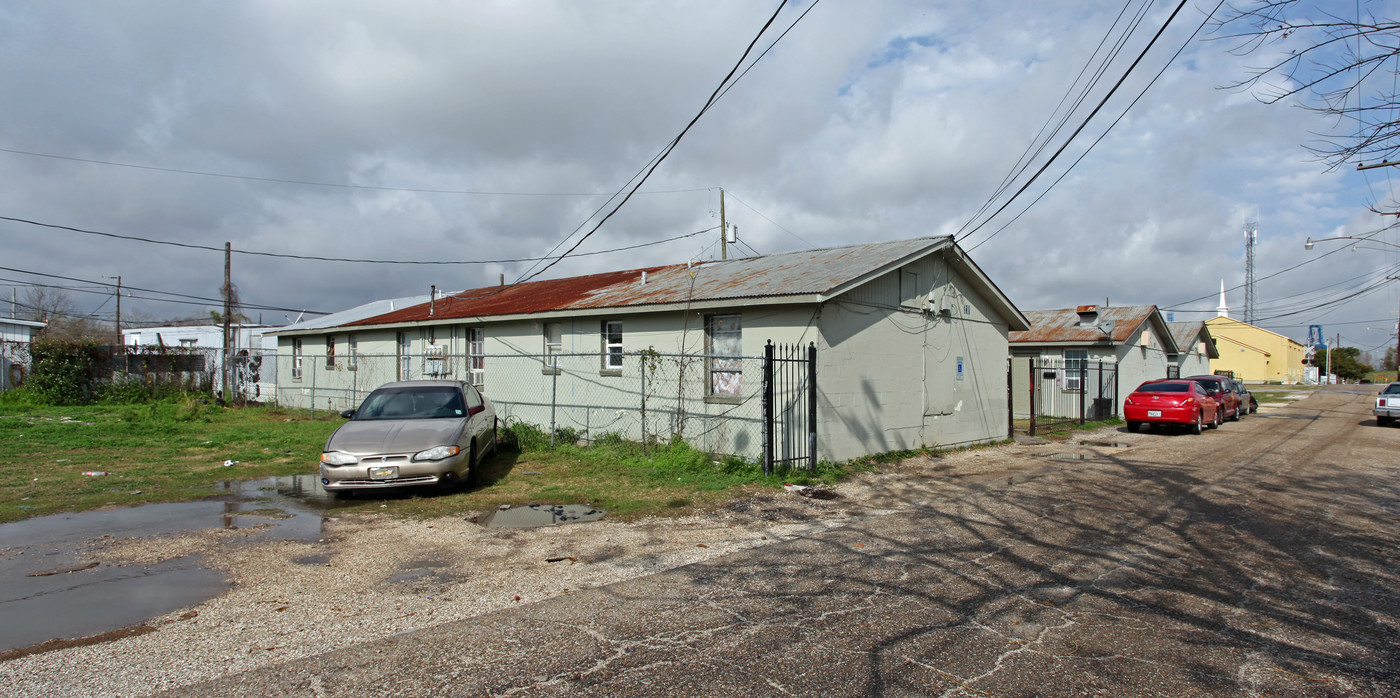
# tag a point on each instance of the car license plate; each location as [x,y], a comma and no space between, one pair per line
[1154,413]
[384,472]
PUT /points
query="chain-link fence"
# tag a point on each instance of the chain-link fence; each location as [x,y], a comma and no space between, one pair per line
[713,402]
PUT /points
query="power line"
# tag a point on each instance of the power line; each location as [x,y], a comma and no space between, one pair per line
[1324,255]
[280,255]
[175,297]
[666,152]
[310,183]
[1084,124]
[770,220]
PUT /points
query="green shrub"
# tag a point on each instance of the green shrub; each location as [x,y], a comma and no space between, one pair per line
[63,373]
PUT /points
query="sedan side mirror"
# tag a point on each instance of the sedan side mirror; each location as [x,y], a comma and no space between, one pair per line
[348,414]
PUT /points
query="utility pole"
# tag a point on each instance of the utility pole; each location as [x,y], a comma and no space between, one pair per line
[228,313]
[119,309]
[723,231]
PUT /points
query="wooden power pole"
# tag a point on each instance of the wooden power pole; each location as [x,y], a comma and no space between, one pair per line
[723,232]
[228,317]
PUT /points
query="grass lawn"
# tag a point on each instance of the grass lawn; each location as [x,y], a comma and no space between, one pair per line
[175,450]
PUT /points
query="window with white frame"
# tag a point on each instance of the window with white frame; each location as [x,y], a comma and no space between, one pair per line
[1075,361]
[476,356]
[296,359]
[612,345]
[330,351]
[553,345]
[724,346]
[352,353]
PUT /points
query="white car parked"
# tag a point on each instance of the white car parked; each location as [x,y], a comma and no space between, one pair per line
[1387,405]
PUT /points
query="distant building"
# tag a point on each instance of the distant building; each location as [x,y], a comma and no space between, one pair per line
[1255,354]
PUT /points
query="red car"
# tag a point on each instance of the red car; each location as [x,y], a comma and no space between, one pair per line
[1176,402]
[1220,389]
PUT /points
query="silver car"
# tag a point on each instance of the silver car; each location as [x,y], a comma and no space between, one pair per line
[434,432]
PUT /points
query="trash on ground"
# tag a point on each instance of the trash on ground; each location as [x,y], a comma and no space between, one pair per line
[570,558]
[230,463]
[95,473]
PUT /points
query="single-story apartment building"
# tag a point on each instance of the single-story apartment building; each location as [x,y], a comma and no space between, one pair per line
[1122,347]
[910,338]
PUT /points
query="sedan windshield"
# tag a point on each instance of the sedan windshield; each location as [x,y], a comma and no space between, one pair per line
[413,403]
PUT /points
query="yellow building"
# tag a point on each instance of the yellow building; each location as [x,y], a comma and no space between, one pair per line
[1255,354]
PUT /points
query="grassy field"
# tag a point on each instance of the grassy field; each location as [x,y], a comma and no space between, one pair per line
[176,451]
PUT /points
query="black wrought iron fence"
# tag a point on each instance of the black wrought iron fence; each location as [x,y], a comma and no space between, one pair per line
[1051,392]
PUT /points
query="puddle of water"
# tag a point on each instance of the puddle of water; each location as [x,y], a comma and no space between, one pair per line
[1070,456]
[541,515]
[91,600]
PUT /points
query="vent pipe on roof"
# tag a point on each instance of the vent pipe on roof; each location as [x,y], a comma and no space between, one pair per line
[503,279]
[644,278]
[432,300]
[1088,315]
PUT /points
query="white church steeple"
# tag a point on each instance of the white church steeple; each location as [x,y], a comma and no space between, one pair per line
[1222,310]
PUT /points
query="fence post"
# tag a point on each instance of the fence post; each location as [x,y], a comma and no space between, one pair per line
[1083,386]
[553,400]
[768,409]
[642,364]
[812,406]
[1033,396]
[312,371]
[1010,402]
[1115,388]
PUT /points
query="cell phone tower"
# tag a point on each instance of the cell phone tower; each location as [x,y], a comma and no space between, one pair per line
[1251,236]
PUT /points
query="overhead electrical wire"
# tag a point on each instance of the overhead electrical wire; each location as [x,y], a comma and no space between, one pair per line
[174,297]
[1042,138]
[310,183]
[670,147]
[314,258]
[1084,124]
[1318,258]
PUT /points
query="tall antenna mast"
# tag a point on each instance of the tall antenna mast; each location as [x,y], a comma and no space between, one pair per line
[1251,235]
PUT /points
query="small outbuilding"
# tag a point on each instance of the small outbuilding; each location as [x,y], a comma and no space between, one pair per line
[1094,355]
[15,337]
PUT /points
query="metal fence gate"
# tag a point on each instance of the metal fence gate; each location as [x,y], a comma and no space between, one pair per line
[1049,392]
[789,406]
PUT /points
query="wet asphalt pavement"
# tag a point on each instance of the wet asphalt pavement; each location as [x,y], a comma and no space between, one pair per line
[1259,559]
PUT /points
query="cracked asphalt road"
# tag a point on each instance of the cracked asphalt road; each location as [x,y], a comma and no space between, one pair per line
[1256,560]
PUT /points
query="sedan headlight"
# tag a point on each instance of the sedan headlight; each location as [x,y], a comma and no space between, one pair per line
[338,458]
[437,453]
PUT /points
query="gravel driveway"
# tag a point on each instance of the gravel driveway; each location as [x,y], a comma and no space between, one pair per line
[1256,559]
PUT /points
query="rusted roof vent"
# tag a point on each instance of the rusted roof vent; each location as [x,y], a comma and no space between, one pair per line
[1088,315]
[644,278]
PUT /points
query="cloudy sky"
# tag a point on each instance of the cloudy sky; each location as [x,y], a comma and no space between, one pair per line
[487,132]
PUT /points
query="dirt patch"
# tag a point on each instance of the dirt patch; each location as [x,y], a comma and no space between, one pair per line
[369,576]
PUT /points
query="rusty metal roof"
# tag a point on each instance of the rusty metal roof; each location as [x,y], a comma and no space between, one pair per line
[804,273]
[1065,324]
